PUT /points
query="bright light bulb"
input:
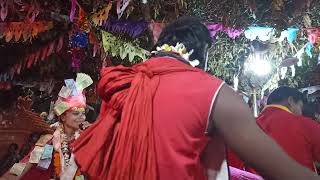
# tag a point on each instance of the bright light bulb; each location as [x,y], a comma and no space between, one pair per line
[260,67]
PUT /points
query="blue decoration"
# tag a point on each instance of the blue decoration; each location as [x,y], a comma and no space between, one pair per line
[263,33]
[308,49]
[79,39]
[292,34]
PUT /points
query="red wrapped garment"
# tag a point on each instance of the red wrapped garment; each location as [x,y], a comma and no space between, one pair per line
[123,133]
[297,135]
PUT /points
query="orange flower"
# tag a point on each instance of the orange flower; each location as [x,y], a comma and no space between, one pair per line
[57,164]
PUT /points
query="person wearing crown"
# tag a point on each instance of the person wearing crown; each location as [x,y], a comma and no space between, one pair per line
[51,158]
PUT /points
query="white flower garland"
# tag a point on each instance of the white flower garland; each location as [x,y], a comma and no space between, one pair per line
[65,145]
[179,49]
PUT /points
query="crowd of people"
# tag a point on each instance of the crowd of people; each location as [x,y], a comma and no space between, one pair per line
[167,118]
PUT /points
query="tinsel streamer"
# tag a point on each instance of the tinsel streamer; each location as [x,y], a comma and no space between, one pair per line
[131,28]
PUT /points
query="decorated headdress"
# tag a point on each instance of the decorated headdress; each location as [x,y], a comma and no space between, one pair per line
[71,95]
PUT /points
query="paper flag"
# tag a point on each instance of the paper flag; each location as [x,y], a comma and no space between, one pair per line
[263,33]
[100,17]
[214,28]
[283,72]
[26,30]
[293,70]
[121,7]
[290,34]
[308,49]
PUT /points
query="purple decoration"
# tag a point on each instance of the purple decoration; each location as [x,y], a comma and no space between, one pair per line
[215,28]
[77,55]
[131,28]
[218,27]
[233,33]
[75,63]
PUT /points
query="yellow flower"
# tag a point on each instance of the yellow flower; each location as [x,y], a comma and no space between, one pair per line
[166,47]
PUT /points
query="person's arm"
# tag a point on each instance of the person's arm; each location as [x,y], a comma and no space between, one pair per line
[232,118]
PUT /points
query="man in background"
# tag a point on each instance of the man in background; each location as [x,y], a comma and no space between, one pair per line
[282,120]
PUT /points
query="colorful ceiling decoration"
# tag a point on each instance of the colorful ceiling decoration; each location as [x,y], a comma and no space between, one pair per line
[131,28]
[14,31]
[101,16]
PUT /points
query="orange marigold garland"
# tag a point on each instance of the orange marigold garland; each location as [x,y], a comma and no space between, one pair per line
[57,165]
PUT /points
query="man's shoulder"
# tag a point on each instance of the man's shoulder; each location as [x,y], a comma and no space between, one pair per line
[308,122]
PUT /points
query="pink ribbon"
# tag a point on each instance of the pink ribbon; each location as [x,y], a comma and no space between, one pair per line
[313,35]
[218,27]
[4,4]
[215,28]
[76,101]
[73,10]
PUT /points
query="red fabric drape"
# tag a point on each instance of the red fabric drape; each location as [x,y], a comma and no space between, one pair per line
[120,144]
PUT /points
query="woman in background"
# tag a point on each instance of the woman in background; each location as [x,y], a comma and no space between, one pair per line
[51,157]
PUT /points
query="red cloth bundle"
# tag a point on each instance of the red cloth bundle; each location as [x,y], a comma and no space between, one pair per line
[120,145]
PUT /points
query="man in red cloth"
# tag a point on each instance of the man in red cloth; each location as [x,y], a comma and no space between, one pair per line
[168,119]
[297,135]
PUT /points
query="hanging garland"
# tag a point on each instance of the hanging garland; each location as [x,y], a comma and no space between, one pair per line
[121,7]
[131,28]
[118,47]
[32,59]
[28,31]
[214,28]
[100,17]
